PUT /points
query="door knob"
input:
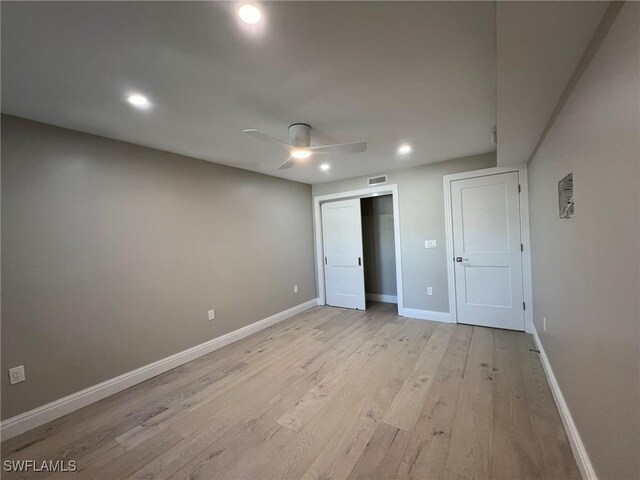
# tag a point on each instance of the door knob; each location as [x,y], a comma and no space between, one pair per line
[460,259]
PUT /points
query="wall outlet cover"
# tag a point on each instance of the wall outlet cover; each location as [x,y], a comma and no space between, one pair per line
[16,375]
[295,289]
[212,314]
[429,291]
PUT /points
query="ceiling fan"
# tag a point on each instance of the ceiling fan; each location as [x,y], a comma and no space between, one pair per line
[299,146]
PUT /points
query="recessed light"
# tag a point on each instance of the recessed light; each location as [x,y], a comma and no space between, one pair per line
[250,14]
[300,154]
[138,101]
[325,167]
[404,149]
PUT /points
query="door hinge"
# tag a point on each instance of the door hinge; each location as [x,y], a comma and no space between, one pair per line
[359,261]
[519,188]
[524,306]
[522,247]
[325,260]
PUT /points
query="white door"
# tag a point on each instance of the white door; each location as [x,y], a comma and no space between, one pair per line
[487,250]
[342,243]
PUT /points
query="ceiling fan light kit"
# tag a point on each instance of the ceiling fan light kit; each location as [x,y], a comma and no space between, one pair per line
[299,146]
[300,154]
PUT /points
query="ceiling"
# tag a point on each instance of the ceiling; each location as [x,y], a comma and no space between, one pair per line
[384,72]
[539,46]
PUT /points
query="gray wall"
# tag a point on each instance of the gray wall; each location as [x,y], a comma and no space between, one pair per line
[378,245]
[421,202]
[113,253]
[586,268]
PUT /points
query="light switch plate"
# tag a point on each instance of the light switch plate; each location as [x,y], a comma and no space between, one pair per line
[430,244]
[212,314]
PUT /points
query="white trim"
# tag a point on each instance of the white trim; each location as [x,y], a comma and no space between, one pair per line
[579,450]
[388,189]
[525,235]
[524,232]
[426,315]
[448,232]
[381,297]
[39,416]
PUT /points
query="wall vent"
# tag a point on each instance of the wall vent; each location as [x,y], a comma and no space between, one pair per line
[377,180]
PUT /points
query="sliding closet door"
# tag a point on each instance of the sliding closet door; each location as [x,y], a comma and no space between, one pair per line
[342,242]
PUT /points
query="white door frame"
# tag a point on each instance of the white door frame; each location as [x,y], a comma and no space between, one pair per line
[524,232]
[391,189]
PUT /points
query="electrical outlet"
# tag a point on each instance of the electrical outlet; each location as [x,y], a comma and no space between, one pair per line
[212,314]
[429,291]
[544,323]
[16,375]
[295,289]
[430,244]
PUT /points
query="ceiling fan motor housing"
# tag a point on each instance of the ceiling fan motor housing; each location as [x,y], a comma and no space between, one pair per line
[300,135]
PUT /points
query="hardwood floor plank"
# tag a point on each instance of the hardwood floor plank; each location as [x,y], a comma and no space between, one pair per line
[180,454]
[153,395]
[122,465]
[309,405]
[513,452]
[255,455]
[405,410]
[469,449]
[246,391]
[231,406]
[428,447]
[109,450]
[298,454]
[340,455]
[212,452]
[552,445]
[382,455]
[327,394]
[124,403]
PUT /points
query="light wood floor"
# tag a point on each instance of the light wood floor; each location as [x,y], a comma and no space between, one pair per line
[331,393]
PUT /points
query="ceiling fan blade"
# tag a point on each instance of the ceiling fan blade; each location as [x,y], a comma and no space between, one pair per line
[341,148]
[288,163]
[266,138]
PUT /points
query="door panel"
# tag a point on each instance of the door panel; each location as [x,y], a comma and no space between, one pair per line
[488,286]
[342,243]
[485,222]
[487,247]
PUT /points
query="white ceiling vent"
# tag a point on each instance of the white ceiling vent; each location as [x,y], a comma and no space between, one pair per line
[377,180]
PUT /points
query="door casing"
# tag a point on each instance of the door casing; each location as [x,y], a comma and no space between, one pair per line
[387,189]
[524,232]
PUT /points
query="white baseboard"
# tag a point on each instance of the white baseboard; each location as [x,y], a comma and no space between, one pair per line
[58,408]
[381,297]
[579,450]
[426,315]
